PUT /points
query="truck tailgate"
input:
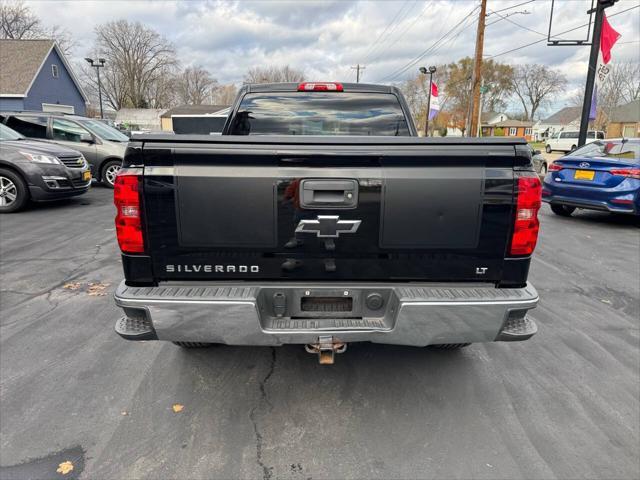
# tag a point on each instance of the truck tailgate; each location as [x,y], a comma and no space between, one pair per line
[319,209]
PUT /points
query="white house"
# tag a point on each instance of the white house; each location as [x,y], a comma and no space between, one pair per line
[566,119]
[491,118]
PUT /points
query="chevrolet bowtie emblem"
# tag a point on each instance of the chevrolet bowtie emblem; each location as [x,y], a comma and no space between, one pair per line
[328,226]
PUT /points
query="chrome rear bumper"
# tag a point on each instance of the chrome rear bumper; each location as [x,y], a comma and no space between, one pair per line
[241,313]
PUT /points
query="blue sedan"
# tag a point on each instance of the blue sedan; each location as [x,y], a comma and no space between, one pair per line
[602,175]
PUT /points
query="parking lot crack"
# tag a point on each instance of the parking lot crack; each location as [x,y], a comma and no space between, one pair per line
[263,404]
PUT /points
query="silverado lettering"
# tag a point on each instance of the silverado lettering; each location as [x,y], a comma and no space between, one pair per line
[194,268]
[328,221]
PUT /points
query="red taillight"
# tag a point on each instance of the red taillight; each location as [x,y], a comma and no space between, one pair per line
[320,87]
[525,229]
[627,172]
[126,197]
[554,168]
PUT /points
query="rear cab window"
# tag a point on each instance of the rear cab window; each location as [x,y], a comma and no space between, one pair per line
[320,113]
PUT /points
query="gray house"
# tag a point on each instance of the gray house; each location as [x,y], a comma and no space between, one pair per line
[35,75]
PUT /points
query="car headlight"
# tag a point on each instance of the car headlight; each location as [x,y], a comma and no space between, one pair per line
[41,158]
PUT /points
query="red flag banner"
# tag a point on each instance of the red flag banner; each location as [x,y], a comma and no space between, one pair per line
[608,39]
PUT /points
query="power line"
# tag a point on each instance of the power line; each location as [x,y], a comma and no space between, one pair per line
[512,6]
[411,63]
[406,30]
[561,33]
[391,32]
[518,25]
[371,47]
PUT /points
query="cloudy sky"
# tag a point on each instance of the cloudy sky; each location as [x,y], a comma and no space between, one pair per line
[324,39]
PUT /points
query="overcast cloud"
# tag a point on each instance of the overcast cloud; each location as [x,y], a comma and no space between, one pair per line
[324,39]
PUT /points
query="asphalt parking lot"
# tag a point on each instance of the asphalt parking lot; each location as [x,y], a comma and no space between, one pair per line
[562,405]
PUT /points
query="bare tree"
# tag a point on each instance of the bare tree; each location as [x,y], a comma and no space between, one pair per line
[273,74]
[535,85]
[627,76]
[162,93]
[195,85]
[137,59]
[224,94]
[18,22]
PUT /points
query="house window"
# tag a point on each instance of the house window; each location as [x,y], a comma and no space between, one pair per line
[54,71]
[513,131]
[527,131]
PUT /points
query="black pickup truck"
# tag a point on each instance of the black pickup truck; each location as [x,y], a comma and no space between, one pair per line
[319,218]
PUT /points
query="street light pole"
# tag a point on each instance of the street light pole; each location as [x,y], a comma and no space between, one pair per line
[98,65]
[431,71]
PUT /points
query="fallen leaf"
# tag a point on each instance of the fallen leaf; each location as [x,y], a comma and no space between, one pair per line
[72,286]
[604,300]
[97,289]
[65,467]
[177,408]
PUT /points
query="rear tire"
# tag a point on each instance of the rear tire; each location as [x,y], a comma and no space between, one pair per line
[109,171]
[449,346]
[192,344]
[562,210]
[543,169]
[14,193]
[573,147]
[547,149]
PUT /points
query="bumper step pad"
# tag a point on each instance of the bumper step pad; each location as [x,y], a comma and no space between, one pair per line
[135,329]
[517,329]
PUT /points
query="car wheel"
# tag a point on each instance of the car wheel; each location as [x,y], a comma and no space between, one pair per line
[109,171]
[14,193]
[562,210]
[192,344]
[449,346]
[543,169]
[547,149]
[573,147]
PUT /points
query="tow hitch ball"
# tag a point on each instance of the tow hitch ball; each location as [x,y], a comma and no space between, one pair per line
[326,348]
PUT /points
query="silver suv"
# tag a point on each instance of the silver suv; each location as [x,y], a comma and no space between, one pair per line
[103,146]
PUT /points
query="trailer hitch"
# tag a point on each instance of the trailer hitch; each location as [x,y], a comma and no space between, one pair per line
[326,348]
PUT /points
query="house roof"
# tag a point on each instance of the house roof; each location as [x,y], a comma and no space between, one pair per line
[626,113]
[21,62]
[193,110]
[563,117]
[486,116]
[512,123]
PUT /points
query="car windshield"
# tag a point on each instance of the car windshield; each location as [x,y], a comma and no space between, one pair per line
[320,113]
[7,133]
[104,131]
[609,149]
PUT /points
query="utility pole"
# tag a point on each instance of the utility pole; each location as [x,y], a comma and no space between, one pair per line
[593,64]
[357,68]
[477,71]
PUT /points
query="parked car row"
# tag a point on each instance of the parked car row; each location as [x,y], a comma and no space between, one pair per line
[100,144]
[38,170]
